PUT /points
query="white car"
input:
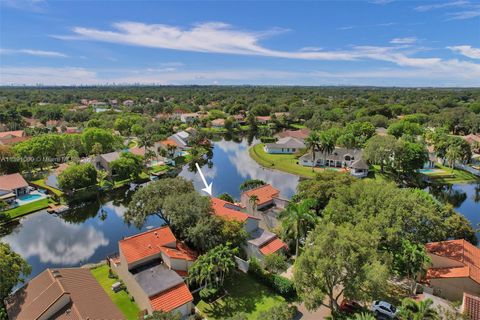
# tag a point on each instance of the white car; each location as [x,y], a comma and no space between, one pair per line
[385,309]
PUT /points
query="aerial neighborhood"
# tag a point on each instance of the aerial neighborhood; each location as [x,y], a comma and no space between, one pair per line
[311,213]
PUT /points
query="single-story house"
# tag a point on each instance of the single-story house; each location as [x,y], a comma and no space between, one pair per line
[455,268]
[58,294]
[103,161]
[239,118]
[260,242]
[218,123]
[173,146]
[153,266]
[338,158]
[12,134]
[301,134]
[263,119]
[189,117]
[286,145]
[12,186]
[128,103]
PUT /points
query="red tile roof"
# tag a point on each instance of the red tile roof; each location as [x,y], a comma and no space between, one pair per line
[180,252]
[459,250]
[146,244]
[9,141]
[299,134]
[220,209]
[169,142]
[264,193]
[8,134]
[172,298]
[12,181]
[273,246]
[139,151]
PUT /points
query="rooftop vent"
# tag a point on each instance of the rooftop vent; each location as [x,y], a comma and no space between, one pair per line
[56,273]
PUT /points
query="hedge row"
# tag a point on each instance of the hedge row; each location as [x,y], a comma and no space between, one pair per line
[277,283]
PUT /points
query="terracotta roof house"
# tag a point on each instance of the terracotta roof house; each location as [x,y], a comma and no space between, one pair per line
[12,134]
[455,268]
[265,196]
[263,119]
[260,242]
[287,145]
[12,140]
[152,265]
[12,186]
[218,123]
[301,134]
[471,306]
[471,138]
[62,294]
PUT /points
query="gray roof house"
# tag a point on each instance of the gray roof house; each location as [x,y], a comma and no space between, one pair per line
[287,145]
[339,158]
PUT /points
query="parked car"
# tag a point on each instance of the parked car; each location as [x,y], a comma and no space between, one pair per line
[350,306]
[383,308]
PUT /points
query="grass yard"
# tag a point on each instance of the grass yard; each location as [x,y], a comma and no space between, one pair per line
[159,168]
[121,299]
[41,183]
[282,162]
[27,208]
[244,295]
[449,177]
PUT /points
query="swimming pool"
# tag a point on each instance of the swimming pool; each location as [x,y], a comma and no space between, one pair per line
[426,170]
[30,197]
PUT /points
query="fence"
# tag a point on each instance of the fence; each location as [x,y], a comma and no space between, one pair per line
[242,265]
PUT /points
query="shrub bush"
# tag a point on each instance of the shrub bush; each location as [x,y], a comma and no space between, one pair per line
[208,293]
[277,283]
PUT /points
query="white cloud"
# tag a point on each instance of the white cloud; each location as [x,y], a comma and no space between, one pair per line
[450,4]
[463,15]
[37,6]
[33,52]
[216,37]
[406,40]
[467,51]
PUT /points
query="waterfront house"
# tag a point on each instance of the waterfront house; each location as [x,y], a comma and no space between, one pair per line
[12,186]
[57,294]
[301,134]
[103,161]
[267,206]
[350,159]
[260,242]
[153,266]
[287,145]
[455,268]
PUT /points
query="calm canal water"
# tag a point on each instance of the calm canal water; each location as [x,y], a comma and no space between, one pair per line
[89,234]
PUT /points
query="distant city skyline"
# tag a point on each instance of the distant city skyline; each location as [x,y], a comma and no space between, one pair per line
[317,43]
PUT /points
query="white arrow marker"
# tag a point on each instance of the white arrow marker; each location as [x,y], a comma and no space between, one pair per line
[208,187]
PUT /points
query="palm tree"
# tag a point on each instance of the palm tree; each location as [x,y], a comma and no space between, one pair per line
[421,310]
[297,219]
[453,154]
[312,142]
[326,145]
[253,201]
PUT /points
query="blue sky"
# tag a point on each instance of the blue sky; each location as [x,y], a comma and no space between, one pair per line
[377,42]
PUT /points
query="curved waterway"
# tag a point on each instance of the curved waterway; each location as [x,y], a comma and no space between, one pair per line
[90,233]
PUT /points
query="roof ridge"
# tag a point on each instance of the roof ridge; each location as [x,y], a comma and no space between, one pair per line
[144,232]
[262,186]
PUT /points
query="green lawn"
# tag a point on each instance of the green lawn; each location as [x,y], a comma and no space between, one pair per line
[159,168]
[121,299]
[282,162]
[244,295]
[28,208]
[41,183]
[447,176]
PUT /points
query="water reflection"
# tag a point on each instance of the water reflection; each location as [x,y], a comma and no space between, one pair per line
[448,194]
[56,241]
[232,165]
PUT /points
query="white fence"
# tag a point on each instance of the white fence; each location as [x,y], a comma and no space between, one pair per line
[242,265]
